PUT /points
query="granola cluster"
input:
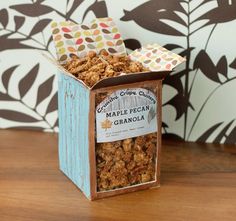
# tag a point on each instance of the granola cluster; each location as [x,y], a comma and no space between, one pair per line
[125,163]
[94,67]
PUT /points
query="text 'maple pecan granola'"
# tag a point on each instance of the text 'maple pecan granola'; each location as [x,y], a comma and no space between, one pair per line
[120,163]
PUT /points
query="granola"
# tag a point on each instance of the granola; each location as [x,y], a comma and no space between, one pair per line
[125,163]
[120,163]
[94,67]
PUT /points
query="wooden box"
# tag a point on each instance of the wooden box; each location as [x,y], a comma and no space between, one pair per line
[81,133]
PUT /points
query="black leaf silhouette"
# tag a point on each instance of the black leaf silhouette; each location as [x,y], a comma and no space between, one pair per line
[74,6]
[172,46]
[56,123]
[99,8]
[49,41]
[4,17]
[186,52]
[44,90]
[222,66]
[171,136]
[27,81]
[174,80]
[12,43]
[132,44]
[203,2]
[154,12]
[7,75]
[52,106]
[206,134]
[19,21]
[33,10]
[6,97]
[27,128]
[231,137]
[164,125]
[233,64]
[223,13]
[181,103]
[206,65]
[40,26]
[222,134]
[17,116]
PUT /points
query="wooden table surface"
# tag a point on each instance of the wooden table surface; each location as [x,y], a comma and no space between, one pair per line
[198,182]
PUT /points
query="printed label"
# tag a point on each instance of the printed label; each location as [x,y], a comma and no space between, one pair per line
[125,114]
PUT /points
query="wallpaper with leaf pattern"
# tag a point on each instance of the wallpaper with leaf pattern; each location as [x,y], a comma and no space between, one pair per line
[199,98]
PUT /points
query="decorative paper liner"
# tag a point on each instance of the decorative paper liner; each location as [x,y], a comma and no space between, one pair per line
[78,39]
[156,58]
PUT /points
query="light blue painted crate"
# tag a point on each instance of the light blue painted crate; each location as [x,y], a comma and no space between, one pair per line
[77,128]
[73,107]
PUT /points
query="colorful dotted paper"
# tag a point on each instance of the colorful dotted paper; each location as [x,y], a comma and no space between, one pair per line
[78,39]
[156,58]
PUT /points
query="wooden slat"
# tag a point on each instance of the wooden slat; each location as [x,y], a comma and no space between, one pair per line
[74,132]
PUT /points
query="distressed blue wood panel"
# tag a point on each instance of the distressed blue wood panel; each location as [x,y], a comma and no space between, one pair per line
[73,107]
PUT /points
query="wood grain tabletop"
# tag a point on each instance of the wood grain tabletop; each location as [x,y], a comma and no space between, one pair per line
[198,183]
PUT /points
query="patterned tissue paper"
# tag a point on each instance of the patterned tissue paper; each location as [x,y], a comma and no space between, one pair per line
[156,58]
[77,39]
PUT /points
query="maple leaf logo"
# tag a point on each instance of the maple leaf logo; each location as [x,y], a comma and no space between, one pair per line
[106,124]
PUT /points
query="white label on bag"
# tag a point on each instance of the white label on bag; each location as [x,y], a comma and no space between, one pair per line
[125,114]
